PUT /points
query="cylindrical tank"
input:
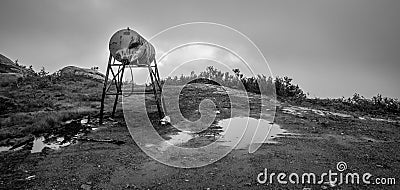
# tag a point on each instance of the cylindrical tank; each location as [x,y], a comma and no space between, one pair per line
[129,47]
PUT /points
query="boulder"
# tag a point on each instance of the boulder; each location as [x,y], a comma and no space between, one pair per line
[77,71]
[10,72]
[8,66]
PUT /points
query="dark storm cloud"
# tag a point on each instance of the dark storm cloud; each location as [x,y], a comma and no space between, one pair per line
[331,48]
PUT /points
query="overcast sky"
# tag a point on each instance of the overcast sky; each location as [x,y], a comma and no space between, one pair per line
[331,48]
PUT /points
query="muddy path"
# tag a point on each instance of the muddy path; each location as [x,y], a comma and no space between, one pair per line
[319,144]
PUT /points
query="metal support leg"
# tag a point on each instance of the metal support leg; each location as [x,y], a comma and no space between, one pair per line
[118,81]
[160,88]
[103,96]
[152,77]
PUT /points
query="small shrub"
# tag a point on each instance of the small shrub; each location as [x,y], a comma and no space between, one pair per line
[281,87]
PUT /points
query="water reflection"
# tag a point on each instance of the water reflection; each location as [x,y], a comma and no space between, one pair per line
[5,148]
[53,142]
[228,132]
[180,138]
[266,133]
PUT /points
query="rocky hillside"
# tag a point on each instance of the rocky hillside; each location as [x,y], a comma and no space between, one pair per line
[11,72]
[25,90]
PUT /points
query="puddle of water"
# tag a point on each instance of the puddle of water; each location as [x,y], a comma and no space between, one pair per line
[55,143]
[4,148]
[236,126]
[69,121]
[7,148]
[39,144]
[175,140]
[180,138]
[229,131]
[84,121]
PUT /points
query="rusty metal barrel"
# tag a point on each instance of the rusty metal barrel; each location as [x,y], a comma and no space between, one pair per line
[129,47]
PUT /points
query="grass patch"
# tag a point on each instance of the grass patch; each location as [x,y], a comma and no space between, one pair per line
[22,124]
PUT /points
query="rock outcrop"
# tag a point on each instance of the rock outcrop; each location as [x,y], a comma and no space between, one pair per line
[76,71]
[8,66]
[10,72]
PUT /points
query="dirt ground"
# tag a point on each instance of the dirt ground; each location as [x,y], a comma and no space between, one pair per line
[364,145]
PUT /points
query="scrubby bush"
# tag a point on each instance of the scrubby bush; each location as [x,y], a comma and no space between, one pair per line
[376,105]
[286,90]
[37,80]
[281,87]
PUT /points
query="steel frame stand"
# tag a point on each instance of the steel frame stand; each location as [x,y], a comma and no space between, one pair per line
[117,79]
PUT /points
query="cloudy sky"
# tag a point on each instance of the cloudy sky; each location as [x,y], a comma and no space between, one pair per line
[331,48]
